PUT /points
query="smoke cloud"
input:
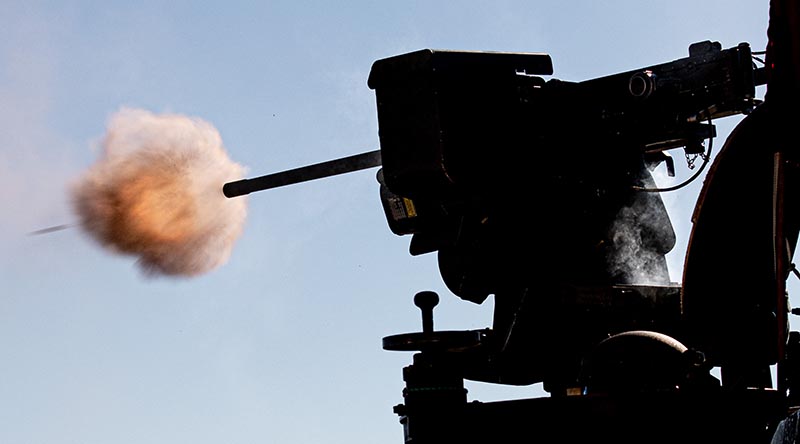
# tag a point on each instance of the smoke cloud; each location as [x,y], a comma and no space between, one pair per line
[155,193]
[641,235]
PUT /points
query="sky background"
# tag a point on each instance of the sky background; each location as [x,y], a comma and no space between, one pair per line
[282,344]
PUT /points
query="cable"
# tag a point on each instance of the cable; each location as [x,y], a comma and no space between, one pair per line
[689,180]
[706,157]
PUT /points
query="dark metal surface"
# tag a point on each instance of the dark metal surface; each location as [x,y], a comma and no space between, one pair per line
[746,416]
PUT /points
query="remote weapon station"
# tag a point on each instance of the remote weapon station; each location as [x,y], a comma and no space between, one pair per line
[539,192]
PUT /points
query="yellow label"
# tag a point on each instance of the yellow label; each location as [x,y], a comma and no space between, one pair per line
[410,210]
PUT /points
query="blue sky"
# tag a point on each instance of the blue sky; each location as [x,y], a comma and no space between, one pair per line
[283,343]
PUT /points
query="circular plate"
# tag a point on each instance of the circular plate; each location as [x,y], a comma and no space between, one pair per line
[437,340]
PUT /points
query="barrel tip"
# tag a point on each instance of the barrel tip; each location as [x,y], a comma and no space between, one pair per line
[234,189]
[226,190]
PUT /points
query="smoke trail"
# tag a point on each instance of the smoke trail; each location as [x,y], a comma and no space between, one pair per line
[51,229]
[156,193]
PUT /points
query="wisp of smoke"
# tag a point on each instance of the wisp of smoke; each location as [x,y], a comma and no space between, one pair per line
[633,258]
[155,193]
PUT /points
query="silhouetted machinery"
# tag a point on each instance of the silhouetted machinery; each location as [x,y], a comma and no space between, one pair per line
[539,192]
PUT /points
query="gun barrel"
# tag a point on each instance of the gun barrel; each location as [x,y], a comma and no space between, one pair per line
[316,171]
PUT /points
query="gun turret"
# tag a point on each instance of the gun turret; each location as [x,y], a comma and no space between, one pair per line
[536,191]
[520,183]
